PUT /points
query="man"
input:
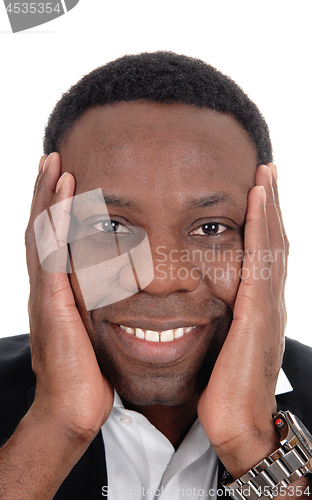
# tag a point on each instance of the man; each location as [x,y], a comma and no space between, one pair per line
[180,153]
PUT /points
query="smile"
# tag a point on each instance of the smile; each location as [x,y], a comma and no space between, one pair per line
[153,336]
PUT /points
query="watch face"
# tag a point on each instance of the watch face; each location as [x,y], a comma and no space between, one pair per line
[301,432]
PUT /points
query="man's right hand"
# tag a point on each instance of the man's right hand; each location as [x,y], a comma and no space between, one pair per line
[72,398]
[70,386]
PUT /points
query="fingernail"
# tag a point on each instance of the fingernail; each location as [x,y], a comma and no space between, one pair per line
[274,171]
[41,162]
[263,193]
[47,162]
[60,182]
[270,175]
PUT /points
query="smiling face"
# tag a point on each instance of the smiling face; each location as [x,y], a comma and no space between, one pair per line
[181,174]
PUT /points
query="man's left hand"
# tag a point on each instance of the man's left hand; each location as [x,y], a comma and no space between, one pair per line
[237,406]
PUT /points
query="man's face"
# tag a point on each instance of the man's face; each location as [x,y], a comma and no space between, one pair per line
[182,174]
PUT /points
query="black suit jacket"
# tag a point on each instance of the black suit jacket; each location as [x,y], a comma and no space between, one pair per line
[89,476]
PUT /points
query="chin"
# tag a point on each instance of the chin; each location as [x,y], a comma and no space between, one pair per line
[142,383]
[157,390]
[162,398]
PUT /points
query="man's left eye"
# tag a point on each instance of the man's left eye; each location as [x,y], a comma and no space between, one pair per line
[110,226]
[209,229]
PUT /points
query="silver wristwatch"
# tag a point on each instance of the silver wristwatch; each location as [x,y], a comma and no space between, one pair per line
[284,466]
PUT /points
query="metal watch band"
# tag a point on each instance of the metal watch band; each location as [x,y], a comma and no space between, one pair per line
[284,466]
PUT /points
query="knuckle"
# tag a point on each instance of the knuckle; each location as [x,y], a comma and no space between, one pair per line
[29,236]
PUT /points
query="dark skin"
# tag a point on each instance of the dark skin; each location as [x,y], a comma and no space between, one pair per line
[171,170]
[127,150]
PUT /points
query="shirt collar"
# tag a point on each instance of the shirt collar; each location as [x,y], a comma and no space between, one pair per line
[117,400]
[283,385]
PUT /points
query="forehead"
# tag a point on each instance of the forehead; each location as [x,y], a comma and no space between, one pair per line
[136,145]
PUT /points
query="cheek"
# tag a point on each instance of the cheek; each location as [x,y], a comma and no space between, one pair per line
[107,282]
[222,273]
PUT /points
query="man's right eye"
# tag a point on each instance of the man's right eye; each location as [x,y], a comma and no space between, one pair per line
[110,226]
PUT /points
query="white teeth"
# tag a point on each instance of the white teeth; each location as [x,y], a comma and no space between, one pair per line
[139,333]
[129,330]
[179,332]
[188,329]
[167,336]
[152,336]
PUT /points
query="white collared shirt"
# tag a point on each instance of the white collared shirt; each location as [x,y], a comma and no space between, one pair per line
[142,464]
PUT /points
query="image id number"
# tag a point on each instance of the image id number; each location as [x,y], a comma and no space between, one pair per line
[33,8]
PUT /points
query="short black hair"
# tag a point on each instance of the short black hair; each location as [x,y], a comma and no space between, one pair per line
[161,77]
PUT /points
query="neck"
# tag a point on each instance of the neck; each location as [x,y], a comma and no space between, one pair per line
[173,421]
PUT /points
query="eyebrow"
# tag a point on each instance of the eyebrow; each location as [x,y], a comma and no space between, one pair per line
[96,197]
[213,199]
[209,200]
[117,202]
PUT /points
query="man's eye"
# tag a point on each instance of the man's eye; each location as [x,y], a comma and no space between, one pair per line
[110,226]
[209,229]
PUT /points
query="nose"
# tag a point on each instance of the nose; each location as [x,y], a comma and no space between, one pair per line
[173,271]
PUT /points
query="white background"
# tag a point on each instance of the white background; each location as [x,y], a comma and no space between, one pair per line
[264,45]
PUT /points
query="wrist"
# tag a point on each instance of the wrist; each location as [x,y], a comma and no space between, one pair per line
[37,458]
[278,471]
[55,425]
[243,452]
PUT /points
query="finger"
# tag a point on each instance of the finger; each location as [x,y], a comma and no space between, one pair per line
[45,162]
[255,290]
[53,280]
[42,162]
[273,169]
[51,295]
[51,228]
[44,195]
[256,239]
[46,184]
[277,246]
[40,170]
[41,167]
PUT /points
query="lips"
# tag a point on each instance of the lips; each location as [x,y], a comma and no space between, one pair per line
[153,346]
